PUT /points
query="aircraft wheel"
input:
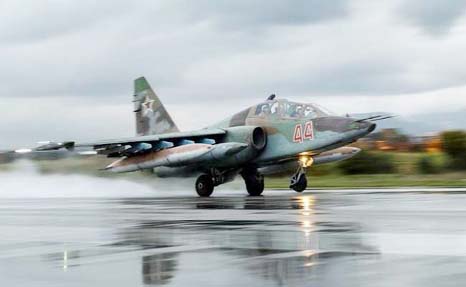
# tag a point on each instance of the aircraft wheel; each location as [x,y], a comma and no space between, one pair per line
[301,184]
[255,185]
[254,181]
[204,185]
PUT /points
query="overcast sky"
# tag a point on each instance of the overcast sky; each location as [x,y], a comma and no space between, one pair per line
[66,67]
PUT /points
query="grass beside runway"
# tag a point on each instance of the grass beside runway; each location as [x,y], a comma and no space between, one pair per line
[375,180]
[406,174]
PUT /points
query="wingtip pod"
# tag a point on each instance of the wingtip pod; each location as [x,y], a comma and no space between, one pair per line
[51,146]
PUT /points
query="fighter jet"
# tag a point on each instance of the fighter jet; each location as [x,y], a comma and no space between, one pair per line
[274,136]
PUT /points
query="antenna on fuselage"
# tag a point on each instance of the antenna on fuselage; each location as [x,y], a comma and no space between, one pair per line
[271,97]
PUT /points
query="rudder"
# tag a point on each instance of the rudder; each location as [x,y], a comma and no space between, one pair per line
[151,116]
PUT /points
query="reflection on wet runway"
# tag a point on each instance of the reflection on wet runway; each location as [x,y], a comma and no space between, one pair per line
[359,238]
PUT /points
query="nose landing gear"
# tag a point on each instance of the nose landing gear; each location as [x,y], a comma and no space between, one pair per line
[298,181]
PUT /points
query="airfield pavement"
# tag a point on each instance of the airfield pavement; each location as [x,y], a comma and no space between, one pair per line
[371,237]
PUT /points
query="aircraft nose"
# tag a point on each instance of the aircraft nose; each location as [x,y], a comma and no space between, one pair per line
[366,126]
[371,127]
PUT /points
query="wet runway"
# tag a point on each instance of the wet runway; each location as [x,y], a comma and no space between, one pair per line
[411,237]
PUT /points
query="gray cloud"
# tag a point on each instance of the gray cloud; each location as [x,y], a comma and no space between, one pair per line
[31,21]
[89,49]
[61,53]
[434,16]
[427,123]
[243,14]
[203,47]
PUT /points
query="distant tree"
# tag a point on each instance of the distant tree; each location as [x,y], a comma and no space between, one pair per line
[377,136]
[394,136]
[426,165]
[368,163]
[324,169]
[454,144]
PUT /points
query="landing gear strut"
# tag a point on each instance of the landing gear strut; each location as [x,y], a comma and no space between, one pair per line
[299,181]
[254,181]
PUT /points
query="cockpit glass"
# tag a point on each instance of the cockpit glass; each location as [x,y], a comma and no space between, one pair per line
[286,109]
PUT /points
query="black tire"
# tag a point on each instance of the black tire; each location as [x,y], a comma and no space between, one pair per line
[255,185]
[204,185]
[301,185]
[254,181]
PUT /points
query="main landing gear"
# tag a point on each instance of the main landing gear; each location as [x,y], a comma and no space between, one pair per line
[254,181]
[206,182]
[204,185]
[298,181]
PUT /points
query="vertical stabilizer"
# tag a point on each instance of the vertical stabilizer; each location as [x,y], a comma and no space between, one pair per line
[151,116]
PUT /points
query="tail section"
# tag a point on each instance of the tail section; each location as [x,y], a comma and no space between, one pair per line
[151,116]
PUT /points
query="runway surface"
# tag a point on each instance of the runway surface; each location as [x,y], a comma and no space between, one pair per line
[407,237]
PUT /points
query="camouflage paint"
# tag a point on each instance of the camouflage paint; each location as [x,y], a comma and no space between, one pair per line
[291,129]
[151,116]
[328,132]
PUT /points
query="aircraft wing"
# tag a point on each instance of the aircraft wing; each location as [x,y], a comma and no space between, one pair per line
[146,152]
[205,133]
[135,145]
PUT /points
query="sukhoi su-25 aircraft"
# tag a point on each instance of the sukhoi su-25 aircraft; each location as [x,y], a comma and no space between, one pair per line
[274,136]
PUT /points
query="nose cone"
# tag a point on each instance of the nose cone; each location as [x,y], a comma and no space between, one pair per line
[372,127]
[365,127]
[344,125]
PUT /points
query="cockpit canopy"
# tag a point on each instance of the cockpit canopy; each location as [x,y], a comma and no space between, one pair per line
[285,109]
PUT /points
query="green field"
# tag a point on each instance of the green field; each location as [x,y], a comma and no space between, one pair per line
[376,180]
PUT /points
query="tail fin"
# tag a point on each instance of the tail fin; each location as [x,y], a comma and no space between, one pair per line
[151,116]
